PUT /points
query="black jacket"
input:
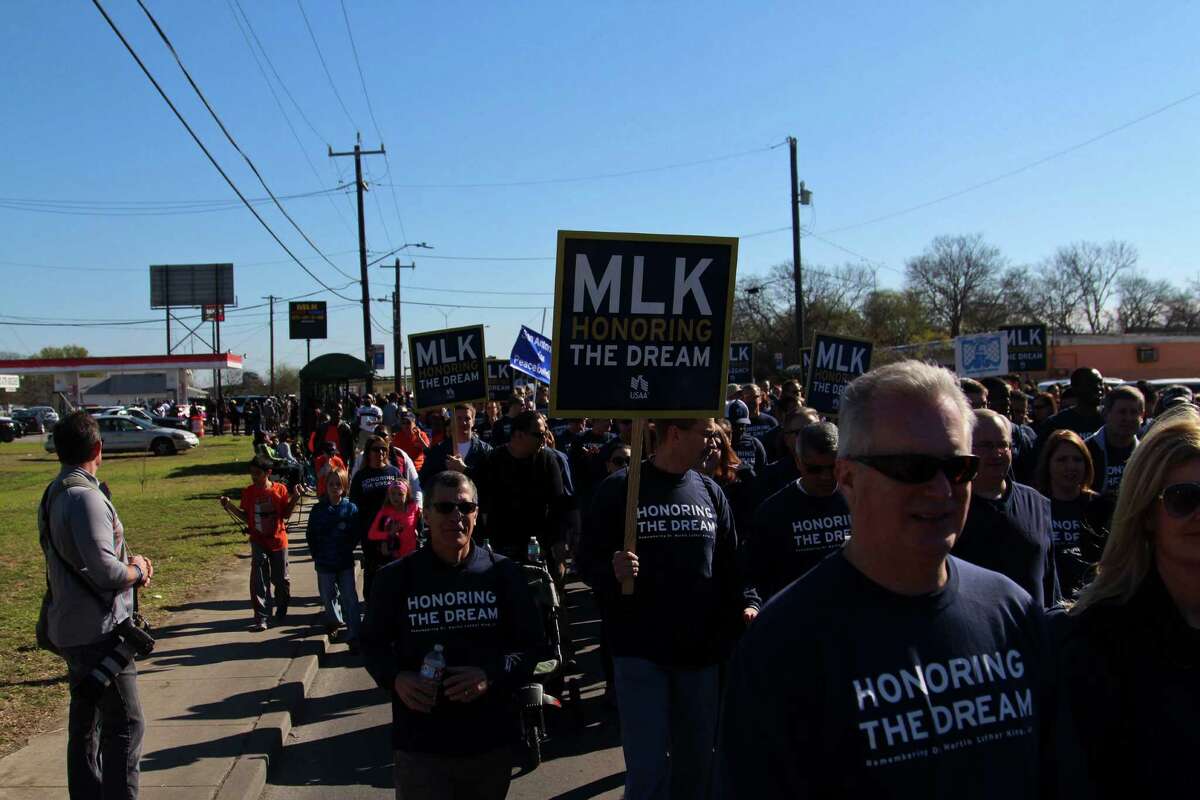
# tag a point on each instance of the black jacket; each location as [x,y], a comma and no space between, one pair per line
[435,458]
[1129,684]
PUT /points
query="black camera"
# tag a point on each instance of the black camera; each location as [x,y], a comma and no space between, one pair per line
[129,641]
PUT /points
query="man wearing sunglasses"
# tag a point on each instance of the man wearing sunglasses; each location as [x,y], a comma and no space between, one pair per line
[891,669]
[687,607]
[452,738]
[804,522]
[780,473]
[1008,528]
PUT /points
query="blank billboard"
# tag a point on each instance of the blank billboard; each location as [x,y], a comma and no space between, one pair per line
[191,285]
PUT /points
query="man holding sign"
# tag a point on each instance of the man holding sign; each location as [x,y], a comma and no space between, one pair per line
[670,635]
[642,332]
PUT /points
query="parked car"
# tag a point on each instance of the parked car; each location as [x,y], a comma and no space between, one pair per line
[130,434]
[28,420]
[46,415]
[137,412]
[10,429]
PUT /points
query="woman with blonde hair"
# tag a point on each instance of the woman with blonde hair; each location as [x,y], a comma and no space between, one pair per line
[1079,517]
[1130,646]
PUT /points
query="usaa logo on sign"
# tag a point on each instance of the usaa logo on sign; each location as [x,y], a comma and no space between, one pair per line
[639,387]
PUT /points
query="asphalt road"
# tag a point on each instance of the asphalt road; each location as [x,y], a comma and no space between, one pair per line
[340,747]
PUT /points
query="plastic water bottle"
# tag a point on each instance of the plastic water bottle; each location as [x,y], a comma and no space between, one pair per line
[434,665]
[486,544]
[535,551]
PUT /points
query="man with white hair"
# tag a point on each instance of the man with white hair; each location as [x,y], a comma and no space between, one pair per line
[892,669]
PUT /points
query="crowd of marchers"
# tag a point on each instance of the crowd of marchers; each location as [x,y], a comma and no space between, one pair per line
[960,588]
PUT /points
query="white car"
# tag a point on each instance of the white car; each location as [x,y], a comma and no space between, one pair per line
[132,434]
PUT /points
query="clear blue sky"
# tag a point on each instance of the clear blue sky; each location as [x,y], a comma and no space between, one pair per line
[893,105]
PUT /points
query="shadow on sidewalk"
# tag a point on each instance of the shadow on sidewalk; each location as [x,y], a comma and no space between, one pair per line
[358,758]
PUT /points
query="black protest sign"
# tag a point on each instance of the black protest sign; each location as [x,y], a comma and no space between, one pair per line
[741,362]
[499,380]
[448,367]
[1026,347]
[307,320]
[835,361]
[641,324]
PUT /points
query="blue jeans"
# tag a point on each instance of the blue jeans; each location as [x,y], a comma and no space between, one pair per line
[340,596]
[104,734]
[668,728]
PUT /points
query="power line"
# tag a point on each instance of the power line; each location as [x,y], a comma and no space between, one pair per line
[278,103]
[371,112]
[470,291]
[579,178]
[325,66]
[91,209]
[233,142]
[1022,168]
[204,149]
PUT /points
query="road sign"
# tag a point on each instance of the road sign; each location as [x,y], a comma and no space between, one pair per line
[308,319]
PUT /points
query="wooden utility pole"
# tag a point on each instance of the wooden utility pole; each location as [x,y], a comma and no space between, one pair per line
[358,153]
[271,300]
[397,339]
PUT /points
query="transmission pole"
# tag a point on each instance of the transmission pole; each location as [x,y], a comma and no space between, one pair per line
[271,299]
[800,196]
[358,153]
[397,339]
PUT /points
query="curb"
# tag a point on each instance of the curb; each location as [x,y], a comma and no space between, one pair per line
[247,779]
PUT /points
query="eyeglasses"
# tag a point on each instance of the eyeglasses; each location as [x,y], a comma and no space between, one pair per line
[1181,499]
[465,507]
[917,468]
[620,461]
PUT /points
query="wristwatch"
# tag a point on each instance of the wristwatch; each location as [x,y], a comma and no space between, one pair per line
[141,578]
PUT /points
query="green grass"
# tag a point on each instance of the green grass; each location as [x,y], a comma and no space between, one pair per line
[169,508]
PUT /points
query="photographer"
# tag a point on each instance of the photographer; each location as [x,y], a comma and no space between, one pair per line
[90,578]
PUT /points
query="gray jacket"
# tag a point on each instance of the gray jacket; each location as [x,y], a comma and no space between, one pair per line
[87,532]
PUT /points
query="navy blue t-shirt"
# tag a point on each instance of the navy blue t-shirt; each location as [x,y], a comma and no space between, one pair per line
[843,689]
[687,602]
[1012,536]
[792,532]
[1079,530]
[749,450]
[761,425]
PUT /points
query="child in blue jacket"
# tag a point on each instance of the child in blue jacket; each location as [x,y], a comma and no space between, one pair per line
[332,535]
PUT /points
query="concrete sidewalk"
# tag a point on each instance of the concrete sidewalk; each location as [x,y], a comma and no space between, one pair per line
[218,698]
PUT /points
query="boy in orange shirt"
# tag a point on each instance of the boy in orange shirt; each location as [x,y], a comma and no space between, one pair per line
[265,508]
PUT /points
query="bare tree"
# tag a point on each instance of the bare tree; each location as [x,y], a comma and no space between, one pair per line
[954,276]
[1094,270]
[1143,303]
[1183,310]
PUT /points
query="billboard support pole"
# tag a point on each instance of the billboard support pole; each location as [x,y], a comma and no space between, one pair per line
[307,351]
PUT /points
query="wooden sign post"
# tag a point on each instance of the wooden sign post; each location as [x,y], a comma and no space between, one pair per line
[631,493]
[641,331]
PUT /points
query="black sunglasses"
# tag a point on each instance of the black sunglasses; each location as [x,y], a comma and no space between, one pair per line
[1181,499]
[917,468]
[465,507]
